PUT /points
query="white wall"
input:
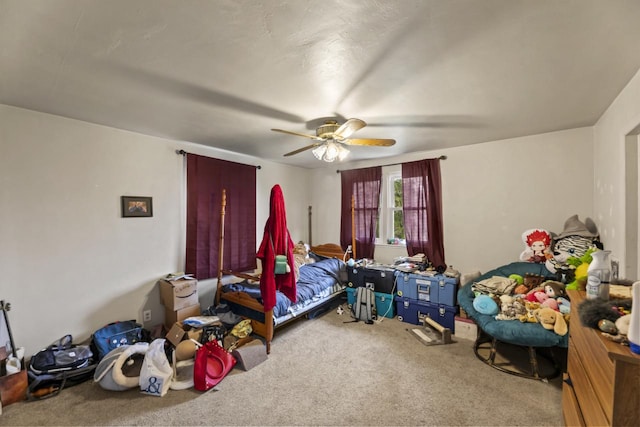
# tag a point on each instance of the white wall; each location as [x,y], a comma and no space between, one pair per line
[492,193]
[69,262]
[620,119]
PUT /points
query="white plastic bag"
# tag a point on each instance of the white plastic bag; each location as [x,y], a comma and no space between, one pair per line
[156,372]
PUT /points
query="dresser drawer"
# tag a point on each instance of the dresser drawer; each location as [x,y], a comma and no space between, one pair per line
[571,413]
[587,391]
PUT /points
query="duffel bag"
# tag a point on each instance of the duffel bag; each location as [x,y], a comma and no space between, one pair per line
[60,356]
[60,365]
[117,334]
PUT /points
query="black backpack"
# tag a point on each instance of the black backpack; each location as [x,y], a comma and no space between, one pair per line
[62,364]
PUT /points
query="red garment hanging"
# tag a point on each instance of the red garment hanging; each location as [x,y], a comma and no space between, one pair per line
[276,230]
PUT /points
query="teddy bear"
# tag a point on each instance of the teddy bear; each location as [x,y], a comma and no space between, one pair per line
[551,320]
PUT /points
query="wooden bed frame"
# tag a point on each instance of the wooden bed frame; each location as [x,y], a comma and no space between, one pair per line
[266,329]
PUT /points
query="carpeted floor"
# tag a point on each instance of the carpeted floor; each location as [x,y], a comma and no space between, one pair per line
[326,372]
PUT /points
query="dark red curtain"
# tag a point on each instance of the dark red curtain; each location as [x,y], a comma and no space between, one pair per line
[422,209]
[364,185]
[206,177]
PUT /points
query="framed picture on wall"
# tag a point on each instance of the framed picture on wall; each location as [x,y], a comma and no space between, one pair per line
[136,206]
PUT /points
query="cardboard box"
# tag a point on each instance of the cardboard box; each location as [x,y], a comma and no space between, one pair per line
[175,334]
[178,294]
[466,328]
[171,317]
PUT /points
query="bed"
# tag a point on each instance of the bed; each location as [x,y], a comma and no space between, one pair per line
[318,284]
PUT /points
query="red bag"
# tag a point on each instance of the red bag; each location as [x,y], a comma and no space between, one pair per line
[212,364]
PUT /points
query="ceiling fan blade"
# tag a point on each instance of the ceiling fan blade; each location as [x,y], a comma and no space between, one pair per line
[298,134]
[349,127]
[377,142]
[300,150]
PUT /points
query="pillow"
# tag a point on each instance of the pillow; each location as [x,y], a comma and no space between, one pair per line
[485,304]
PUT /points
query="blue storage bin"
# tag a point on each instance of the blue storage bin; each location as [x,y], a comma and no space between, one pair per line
[351,296]
[384,302]
[438,289]
[414,311]
[384,305]
[447,290]
[417,286]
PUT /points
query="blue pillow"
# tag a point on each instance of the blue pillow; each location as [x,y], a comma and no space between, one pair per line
[485,304]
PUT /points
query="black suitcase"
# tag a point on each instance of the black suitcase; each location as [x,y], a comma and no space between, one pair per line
[382,279]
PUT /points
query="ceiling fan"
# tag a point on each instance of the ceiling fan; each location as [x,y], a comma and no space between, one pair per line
[331,138]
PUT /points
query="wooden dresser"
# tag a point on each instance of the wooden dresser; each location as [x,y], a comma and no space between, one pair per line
[602,385]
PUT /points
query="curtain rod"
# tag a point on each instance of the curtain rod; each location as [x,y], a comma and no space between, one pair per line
[182,153]
[443,157]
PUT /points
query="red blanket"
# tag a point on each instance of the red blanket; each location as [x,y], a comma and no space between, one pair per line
[276,241]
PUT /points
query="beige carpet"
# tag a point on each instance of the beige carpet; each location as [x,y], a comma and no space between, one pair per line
[325,372]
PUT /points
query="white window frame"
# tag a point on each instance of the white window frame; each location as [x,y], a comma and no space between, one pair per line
[386,214]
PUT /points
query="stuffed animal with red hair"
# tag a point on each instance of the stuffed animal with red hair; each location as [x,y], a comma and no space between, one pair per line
[537,243]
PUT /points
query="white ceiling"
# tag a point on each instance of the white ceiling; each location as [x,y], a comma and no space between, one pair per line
[429,73]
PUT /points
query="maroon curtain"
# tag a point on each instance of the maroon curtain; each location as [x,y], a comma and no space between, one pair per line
[364,185]
[422,209]
[206,177]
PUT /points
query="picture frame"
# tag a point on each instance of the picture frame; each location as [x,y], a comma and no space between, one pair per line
[136,206]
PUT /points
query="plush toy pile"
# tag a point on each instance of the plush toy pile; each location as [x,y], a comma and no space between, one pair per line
[545,303]
[532,298]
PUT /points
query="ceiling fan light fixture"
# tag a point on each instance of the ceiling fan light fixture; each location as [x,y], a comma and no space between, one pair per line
[319,151]
[342,152]
[330,151]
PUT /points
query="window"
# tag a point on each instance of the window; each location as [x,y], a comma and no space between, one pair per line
[390,228]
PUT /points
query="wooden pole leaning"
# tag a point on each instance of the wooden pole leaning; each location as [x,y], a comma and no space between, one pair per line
[353,226]
[223,208]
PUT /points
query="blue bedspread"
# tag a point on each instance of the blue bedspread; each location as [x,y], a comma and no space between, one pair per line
[316,280]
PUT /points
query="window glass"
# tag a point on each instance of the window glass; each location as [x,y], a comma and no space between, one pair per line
[390,228]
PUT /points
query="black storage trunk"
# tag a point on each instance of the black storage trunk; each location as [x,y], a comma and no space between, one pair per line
[381,278]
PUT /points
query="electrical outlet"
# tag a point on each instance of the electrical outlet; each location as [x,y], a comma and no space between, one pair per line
[146,316]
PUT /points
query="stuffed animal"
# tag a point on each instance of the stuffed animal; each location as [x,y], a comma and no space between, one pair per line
[529,282]
[564,306]
[574,241]
[552,320]
[300,257]
[537,243]
[582,266]
[485,304]
[529,314]
[511,308]
[554,289]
